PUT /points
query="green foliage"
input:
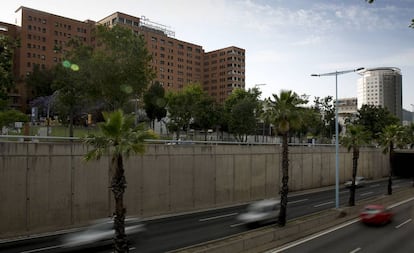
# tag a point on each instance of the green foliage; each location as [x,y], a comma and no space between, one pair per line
[119,66]
[242,109]
[155,102]
[355,136]
[40,81]
[285,112]
[392,136]
[374,119]
[10,116]
[118,135]
[206,114]
[182,106]
[7,47]
[326,109]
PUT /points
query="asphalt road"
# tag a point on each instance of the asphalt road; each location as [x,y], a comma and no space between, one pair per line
[184,230]
[395,237]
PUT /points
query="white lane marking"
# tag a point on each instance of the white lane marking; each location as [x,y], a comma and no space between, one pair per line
[366,193]
[401,203]
[41,249]
[297,201]
[402,224]
[374,185]
[355,250]
[324,204]
[236,225]
[294,244]
[218,217]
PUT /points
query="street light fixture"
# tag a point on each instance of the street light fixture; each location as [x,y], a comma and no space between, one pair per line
[336,73]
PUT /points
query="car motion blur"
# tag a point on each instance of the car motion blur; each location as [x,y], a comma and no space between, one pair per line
[375,215]
[260,213]
[100,232]
[359,182]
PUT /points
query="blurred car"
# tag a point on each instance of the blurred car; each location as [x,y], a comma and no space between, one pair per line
[376,215]
[99,233]
[260,212]
[359,182]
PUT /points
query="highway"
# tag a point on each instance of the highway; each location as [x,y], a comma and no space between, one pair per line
[185,230]
[353,237]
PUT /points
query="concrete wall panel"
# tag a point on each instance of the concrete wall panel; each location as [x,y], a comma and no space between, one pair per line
[225,173]
[307,171]
[156,185]
[182,182]
[272,175]
[92,197]
[204,181]
[258,179]
[13,192]
[133,166]
[242,178]
[316,169]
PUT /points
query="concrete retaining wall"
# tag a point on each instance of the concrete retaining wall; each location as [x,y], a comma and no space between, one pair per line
[48,186]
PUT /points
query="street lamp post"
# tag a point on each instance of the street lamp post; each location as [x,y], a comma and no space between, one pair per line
[336,73]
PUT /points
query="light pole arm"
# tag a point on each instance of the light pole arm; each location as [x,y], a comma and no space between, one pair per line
[338,72]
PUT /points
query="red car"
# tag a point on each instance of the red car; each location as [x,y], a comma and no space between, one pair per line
[376,215]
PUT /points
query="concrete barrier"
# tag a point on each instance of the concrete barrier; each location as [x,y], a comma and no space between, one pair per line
[270,237]
[48,186]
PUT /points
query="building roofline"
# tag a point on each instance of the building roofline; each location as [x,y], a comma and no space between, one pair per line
[394,69]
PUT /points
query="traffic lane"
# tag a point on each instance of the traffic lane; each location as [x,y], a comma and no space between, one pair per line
[206,229]
[393,237]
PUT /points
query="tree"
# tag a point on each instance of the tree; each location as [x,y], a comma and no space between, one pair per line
[326,109]
[354,138]
[374,119]
[206,114]
[242,110]
[7,47]
[71,90]
[8,117]
[286,116]
[182,107]
[121,139]
[391,136]
[155,102]
[40,81]
[119,67]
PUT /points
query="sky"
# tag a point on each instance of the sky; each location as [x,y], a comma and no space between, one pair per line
[285,40]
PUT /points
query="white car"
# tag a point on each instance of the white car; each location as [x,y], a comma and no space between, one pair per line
[260,212]
[100,232]
[359,182]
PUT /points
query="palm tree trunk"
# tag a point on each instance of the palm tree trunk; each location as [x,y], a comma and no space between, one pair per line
[118,189]
[285,179]
[354,173]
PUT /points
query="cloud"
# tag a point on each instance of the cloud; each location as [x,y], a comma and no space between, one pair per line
[310,40]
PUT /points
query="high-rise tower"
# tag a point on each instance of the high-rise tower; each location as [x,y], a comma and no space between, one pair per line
[381,87]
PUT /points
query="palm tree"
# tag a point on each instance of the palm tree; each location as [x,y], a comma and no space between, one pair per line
[119,138]
[286,116]
[354,138]
[391,136]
